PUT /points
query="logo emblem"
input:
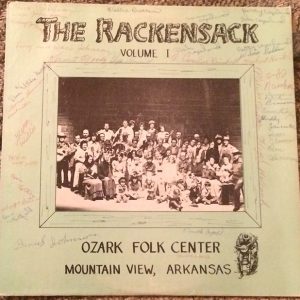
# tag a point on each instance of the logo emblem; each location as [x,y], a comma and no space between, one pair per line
[247,254]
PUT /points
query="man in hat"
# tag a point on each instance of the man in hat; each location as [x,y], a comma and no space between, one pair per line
[237,179]
[227,148]
[63,150]
[134,147]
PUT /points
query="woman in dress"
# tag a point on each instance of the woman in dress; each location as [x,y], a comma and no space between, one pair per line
[91,183]
[106,176]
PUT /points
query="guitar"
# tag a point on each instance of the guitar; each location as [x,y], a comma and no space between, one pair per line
[61,154]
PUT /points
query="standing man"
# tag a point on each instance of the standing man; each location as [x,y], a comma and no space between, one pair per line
[237,179]
[123,133]
[85,135]
[227,149]
[218,146]
[197,137]
[79,158]
[131,131]
[152,130]
[73,148]
[63,150]
[108,133]
[142,135]
[179,140]
[94,148]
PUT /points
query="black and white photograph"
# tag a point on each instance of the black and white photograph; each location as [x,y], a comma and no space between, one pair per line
[149,144]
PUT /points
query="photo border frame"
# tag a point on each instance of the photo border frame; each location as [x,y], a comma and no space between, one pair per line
[50,218]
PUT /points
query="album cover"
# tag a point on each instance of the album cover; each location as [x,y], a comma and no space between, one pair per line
[149,150]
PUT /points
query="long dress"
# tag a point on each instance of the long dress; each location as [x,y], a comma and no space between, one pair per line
[92,185]
[105,174]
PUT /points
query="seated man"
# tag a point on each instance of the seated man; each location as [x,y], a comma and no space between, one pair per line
[225,171]
[159,150]
[183,165]
[134,147]
[210,174]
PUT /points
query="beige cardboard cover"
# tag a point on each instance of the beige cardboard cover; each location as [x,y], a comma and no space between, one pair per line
[39,242]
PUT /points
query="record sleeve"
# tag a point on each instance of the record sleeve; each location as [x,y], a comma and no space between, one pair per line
[149,150]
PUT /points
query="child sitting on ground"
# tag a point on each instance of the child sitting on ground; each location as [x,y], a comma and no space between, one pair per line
[149,188]
[207,195]
[122,191]
[134,187]
[184,192]
[174,198]
[195,193]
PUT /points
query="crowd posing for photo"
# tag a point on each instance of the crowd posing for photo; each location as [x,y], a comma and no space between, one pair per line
[149,163]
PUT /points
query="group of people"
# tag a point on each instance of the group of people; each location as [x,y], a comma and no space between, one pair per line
[149,163]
